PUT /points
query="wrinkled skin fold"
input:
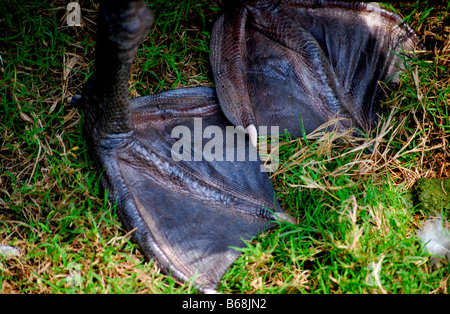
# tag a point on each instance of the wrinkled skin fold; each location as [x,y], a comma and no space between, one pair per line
[189,214]
[297,64]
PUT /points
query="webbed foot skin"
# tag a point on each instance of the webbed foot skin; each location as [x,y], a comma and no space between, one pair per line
[288,62]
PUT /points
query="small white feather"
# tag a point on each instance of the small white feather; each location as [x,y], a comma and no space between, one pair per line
[436,239]
[9,251]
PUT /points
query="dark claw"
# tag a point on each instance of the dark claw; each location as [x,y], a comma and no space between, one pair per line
[75,102]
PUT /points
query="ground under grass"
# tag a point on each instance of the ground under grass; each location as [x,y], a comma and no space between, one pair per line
[356,232]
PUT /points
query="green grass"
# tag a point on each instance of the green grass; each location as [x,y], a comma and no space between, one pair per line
[347,196]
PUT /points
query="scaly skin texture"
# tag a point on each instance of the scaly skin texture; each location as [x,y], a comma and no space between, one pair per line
[187,214]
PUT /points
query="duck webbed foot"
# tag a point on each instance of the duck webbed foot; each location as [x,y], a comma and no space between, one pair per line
[286,63]
[182,185]
[190,194]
